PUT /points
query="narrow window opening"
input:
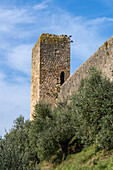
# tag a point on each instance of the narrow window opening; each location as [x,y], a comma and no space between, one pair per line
[55,52]
[61,78]
[57,81]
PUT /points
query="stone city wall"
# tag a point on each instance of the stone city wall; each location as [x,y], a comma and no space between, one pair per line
[101,59]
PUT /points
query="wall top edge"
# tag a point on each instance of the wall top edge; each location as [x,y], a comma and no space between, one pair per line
[93,55]
[52,38]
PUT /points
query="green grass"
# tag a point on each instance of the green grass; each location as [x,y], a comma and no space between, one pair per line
[88,159]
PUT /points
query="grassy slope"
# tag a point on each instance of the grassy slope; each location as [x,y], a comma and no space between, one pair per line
[88,159]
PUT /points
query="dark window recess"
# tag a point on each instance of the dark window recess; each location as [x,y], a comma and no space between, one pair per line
[61,78]
[57,81]
[55,52]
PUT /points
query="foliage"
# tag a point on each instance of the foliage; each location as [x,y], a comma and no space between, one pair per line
[14,148]
[42,119]
[85,118]
[105,135]
[93,108]
[52,130]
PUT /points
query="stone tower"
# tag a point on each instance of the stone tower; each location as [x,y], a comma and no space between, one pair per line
[50,67]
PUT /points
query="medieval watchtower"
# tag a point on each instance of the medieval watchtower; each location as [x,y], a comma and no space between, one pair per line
[50,67]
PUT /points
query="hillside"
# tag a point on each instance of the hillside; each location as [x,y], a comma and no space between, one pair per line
[59,138]
[87,159]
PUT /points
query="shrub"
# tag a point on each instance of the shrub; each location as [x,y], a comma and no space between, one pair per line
[42,120]
[105,135]
[85,118]
[53,130]
[14,148]
[93,106]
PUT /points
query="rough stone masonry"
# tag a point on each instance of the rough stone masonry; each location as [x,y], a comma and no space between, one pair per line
[50,68]
[102,59]
[50,74]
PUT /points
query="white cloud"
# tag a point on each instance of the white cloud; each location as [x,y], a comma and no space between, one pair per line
[42,5]
[85,33]
[14,100]
[19,58]
[99,21]
[18,26]
[9,18]
[2,75]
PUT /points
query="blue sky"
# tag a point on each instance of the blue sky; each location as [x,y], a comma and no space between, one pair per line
[90,22]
